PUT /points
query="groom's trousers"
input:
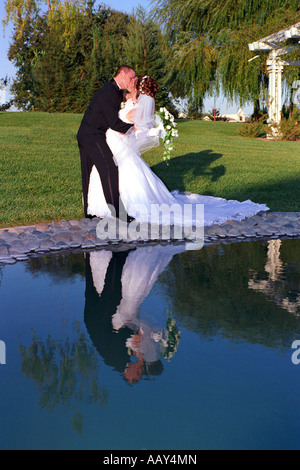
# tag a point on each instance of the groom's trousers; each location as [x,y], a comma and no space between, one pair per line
[94,150]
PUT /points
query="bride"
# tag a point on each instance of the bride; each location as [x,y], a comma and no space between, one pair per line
[140,189]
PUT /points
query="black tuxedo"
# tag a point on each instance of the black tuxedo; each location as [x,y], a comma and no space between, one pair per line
[101,114]
[99,310]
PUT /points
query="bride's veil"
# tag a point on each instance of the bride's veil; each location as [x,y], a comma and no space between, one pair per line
[144,120]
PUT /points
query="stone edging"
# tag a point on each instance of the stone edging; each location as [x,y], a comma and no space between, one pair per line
[20,243]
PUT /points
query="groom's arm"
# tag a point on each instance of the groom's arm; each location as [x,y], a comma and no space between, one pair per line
[110,108]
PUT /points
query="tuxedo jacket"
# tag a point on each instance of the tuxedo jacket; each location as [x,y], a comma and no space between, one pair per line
[103,113]
[98,312]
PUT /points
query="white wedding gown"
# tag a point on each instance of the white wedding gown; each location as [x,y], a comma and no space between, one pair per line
[143,193]
[141,270]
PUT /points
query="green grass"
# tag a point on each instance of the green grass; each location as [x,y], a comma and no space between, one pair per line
[40,176]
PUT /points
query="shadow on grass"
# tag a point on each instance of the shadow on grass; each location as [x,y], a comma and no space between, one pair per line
[282,196]
[196,164]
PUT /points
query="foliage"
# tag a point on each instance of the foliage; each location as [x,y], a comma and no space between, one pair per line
[63,56]
[64,371]
[21,52]
[173,337]
[290,128]
[192,68]
[6,106]
[144,49]
[208,44]
[230,268]
[255,129]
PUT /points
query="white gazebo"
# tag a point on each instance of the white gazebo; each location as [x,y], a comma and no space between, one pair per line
[2,92]
[277,45]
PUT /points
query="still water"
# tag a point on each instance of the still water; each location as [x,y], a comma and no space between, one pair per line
[153,348]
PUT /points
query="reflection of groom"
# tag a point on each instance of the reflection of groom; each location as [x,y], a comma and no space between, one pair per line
[102,114]
[101,304]
[106,292]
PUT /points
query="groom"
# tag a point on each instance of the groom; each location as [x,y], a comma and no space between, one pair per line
[102,114]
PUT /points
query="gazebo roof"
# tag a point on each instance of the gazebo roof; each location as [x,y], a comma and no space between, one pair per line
[276,40]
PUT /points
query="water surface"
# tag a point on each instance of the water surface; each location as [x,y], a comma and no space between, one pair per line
[153,348]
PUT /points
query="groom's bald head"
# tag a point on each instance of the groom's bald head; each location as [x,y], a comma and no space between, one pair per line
[125,69]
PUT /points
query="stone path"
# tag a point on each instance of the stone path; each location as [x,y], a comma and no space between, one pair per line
[20,243]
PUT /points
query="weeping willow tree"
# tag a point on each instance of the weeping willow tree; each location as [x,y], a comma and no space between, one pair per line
[192,69]
[220,31]
[19,12]
[145,50]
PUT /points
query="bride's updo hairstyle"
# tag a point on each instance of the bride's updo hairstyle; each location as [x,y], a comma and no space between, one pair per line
[147,86]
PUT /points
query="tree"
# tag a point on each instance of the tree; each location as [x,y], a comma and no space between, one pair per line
[63,55]
[192,69]
[145,51]
[7,105]
[22,52]
[225,27]
[19,12]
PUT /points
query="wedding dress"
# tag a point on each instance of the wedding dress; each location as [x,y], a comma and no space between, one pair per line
[140,272]
[143,194]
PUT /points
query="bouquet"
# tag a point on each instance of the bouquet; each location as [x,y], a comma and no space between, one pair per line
[170,133]
[173,338]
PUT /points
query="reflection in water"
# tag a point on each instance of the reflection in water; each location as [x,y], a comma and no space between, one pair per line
[233,368]
[116,286]
[209,293]
[65,372]
[273,287]
[212,291]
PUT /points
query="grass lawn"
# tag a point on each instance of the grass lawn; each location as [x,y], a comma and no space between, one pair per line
[40,176]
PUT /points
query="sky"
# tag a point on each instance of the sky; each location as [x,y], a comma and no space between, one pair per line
[127,6]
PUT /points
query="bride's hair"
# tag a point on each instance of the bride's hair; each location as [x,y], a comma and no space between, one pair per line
[147,86]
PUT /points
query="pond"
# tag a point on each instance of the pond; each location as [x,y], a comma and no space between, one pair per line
[153,348]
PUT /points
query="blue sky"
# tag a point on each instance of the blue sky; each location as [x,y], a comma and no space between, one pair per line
[7,68]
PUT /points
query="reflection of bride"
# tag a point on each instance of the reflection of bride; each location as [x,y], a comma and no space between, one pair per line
[117,284]
[139,186]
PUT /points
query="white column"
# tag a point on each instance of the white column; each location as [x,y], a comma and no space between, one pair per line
[275,68]
[2,92]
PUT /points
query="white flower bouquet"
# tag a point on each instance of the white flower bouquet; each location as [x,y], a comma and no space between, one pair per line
[170,132]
